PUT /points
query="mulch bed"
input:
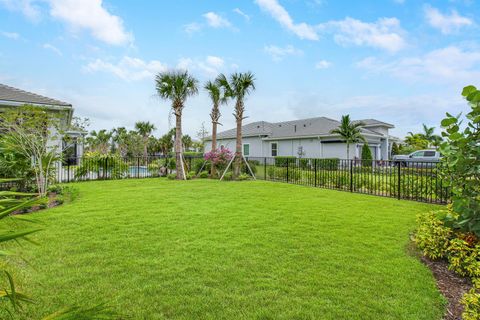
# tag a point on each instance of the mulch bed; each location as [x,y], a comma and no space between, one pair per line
[451,285]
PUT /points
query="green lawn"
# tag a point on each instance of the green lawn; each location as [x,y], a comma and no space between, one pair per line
[202,249]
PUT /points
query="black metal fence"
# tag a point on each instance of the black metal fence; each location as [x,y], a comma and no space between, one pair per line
[419,181]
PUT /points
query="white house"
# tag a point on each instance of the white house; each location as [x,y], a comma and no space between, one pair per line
[307,138]
[13,98]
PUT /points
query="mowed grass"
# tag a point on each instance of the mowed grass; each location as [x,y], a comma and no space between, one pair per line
[158,249]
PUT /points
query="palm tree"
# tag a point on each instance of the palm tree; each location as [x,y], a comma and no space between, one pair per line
[215,94]
[145,129]
[349,131]
[237,87]
[120,137]
[100,141]
[177,86]
[428,135]
[186,142]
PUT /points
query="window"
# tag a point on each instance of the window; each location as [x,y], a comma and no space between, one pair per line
[246,149]
[429,153]
[274,149]
[417,154]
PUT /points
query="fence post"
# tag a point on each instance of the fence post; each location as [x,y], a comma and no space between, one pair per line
[106,168]
[138,167]
[287,168]
[315,168]
[399,173]
[351,175]
[265,168]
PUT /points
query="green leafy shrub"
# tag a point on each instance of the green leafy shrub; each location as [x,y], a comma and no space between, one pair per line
[281,161]
[460,164]
[104,166]
[432,236]
[154,167]
[203,175]
[464,258]
[243,177]
[328,164]
[228,176]
[284,174]
[253,165]
[366,156]
[304,163]
[171,176]
[471,302]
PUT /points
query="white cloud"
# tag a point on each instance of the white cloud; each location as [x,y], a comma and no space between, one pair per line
[450,65]
[278,53]
[243,14]
[50,47]
[302,30]
[385,33]
[323,64]
[209,66]
[10,35]
[216,21]
[26,7]
[128,68]
[192,28]
[92,16]
[446,23]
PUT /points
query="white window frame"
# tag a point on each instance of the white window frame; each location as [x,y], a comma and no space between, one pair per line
[271,149]
[243,149]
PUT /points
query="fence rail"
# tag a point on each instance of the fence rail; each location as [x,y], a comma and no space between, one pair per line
[419,181]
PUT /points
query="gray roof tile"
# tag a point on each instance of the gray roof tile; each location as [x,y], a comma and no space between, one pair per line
[318,126]
[16,95]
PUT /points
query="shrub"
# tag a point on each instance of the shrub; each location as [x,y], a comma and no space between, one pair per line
[243,177]
[281,161]
[328,163]
[253,165]
[283,173]
[172,176]
[463,258]
[366,155]
[105,166]
[432,236]
[460,172]
[304,163]
[203,175]
[228,176]
[471,302]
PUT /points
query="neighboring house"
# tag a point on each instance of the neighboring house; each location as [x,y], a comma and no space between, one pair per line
[13,98]
[306,138]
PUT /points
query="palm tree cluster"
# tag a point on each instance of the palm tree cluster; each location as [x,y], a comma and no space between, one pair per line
[177,86]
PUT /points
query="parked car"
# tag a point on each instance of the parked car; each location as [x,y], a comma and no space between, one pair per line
[418,158]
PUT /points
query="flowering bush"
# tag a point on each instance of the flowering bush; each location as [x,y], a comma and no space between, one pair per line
[219,158]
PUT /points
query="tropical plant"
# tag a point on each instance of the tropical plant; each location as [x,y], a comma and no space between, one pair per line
[28,132]
[120,141]
[145,129]
[217,99]
[238,86]
[177,86]
[104,166]
[349,131]
[461,165]
[186,142]
[9,203]
[99,141]
[430,136]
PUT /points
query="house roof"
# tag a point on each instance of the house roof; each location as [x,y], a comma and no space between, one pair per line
[319,126]
[375,123]
[14,95]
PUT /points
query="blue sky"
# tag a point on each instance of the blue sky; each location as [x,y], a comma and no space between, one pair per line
[403,62]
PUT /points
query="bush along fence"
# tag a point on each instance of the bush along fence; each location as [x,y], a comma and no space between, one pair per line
[419,181]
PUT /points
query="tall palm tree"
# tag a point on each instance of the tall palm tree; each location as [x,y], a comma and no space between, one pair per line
[215,93]
[237,87]
[349,131]
[430,136]
[145,129]
[177,86]
[100,141]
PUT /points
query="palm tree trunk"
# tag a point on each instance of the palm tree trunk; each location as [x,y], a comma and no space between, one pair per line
[178,146]
[214,145]
[238,148]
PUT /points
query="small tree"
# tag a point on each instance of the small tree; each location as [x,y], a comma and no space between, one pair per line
[366,155]
[32,133]
[177,86]
[145,130]
[349,131]
[461,164]
[395,149]
[237,87]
